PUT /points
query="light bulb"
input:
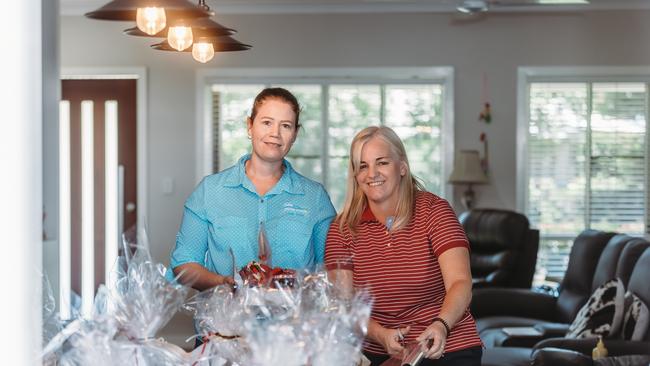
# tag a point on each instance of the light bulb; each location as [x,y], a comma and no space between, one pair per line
[179,37]
[151,20]
[203,51]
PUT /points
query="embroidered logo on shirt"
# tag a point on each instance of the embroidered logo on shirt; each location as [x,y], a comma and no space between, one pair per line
[290,208]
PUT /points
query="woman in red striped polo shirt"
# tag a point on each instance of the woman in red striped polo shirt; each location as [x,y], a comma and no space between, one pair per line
[406,247]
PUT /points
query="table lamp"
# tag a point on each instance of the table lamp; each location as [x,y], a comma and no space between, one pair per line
[467,170]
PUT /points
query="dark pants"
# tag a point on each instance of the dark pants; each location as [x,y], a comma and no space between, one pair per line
[464,357]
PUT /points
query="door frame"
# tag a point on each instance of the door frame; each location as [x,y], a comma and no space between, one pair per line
[140,75]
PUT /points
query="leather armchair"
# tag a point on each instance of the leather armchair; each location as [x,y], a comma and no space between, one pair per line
[504,247]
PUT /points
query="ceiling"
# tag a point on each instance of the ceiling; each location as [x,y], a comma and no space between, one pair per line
[79,7]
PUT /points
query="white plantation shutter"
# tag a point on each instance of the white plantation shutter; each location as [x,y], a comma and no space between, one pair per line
[557,142]
[586,163]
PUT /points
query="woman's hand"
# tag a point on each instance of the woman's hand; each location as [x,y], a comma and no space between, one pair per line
[197,276]
[432,340]
[227,280]
[390,339]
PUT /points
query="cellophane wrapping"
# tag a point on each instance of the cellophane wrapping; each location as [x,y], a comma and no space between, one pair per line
[310,323]
[307,323]
[128,313]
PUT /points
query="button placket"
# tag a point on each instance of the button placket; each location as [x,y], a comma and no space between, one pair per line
[261,212]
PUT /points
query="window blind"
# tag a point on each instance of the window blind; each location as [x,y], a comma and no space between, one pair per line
[587,164]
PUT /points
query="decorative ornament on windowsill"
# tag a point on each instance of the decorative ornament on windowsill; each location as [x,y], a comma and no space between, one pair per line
[467,170]
[186,27]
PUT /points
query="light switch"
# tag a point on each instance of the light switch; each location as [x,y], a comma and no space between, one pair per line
[168,185]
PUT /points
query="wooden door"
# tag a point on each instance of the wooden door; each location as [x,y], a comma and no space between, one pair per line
[100,91]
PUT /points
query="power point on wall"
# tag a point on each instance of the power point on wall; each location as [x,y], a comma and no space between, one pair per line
[168,185]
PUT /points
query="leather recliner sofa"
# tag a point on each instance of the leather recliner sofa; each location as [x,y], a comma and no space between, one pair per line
[621,257]
[562,351]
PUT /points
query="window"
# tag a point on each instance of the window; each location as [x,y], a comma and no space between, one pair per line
[586,163]
[332,112]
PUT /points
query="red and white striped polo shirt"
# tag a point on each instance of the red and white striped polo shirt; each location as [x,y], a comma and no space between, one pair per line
[401,271]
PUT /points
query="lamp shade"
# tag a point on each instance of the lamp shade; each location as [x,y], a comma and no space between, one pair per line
[220,44]
[199,26]
[127,9]
[467,168]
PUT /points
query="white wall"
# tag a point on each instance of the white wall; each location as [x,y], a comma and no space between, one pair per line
[495,46]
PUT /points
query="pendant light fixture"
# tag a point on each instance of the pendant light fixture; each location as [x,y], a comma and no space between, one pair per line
[180,36]
[219,44]
[203,51]
[150,15]
[203,24]
[186,27]
[151,20]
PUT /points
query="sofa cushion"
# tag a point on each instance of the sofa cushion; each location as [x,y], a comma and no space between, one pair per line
[636,318]
[602,314]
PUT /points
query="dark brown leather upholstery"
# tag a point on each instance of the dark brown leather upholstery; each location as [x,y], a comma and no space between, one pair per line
[562,351]
[538,307]
[503,248]
[594,257]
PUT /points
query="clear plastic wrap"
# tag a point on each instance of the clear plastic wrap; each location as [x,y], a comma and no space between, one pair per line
[127,314]
[311,323]
[142,300]
[51,322]
[307,323]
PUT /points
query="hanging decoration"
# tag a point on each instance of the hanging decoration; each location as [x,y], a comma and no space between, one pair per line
[486,114]
[484,160]
[186,27]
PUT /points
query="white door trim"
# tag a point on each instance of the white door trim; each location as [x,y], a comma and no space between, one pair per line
[140,74]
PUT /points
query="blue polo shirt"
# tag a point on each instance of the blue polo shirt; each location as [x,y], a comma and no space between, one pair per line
[225,211]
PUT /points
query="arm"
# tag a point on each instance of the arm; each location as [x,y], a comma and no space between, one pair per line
[197,276]
[192,245]
[340,265]
[326,213]
[454,265]
[388,338]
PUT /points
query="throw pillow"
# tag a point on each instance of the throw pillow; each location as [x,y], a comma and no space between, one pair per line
[602,315]
[636,318]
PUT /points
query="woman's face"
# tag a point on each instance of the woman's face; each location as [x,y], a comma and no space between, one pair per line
[273,131]
[380,171]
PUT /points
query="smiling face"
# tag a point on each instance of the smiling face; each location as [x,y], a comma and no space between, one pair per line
[380,172]
[273,130]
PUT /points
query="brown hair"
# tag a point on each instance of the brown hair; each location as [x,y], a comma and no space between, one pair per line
[277,93]
[355,199]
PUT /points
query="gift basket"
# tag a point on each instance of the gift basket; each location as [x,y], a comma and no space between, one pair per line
[271,316]
[125,318]
[278,316]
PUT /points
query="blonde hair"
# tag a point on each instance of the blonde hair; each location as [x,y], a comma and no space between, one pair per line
[355,199]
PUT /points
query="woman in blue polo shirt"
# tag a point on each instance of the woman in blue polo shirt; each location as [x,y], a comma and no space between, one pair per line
[226,210]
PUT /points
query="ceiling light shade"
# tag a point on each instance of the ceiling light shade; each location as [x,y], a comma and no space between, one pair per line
[126,10]
[206,24]
[220,44]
